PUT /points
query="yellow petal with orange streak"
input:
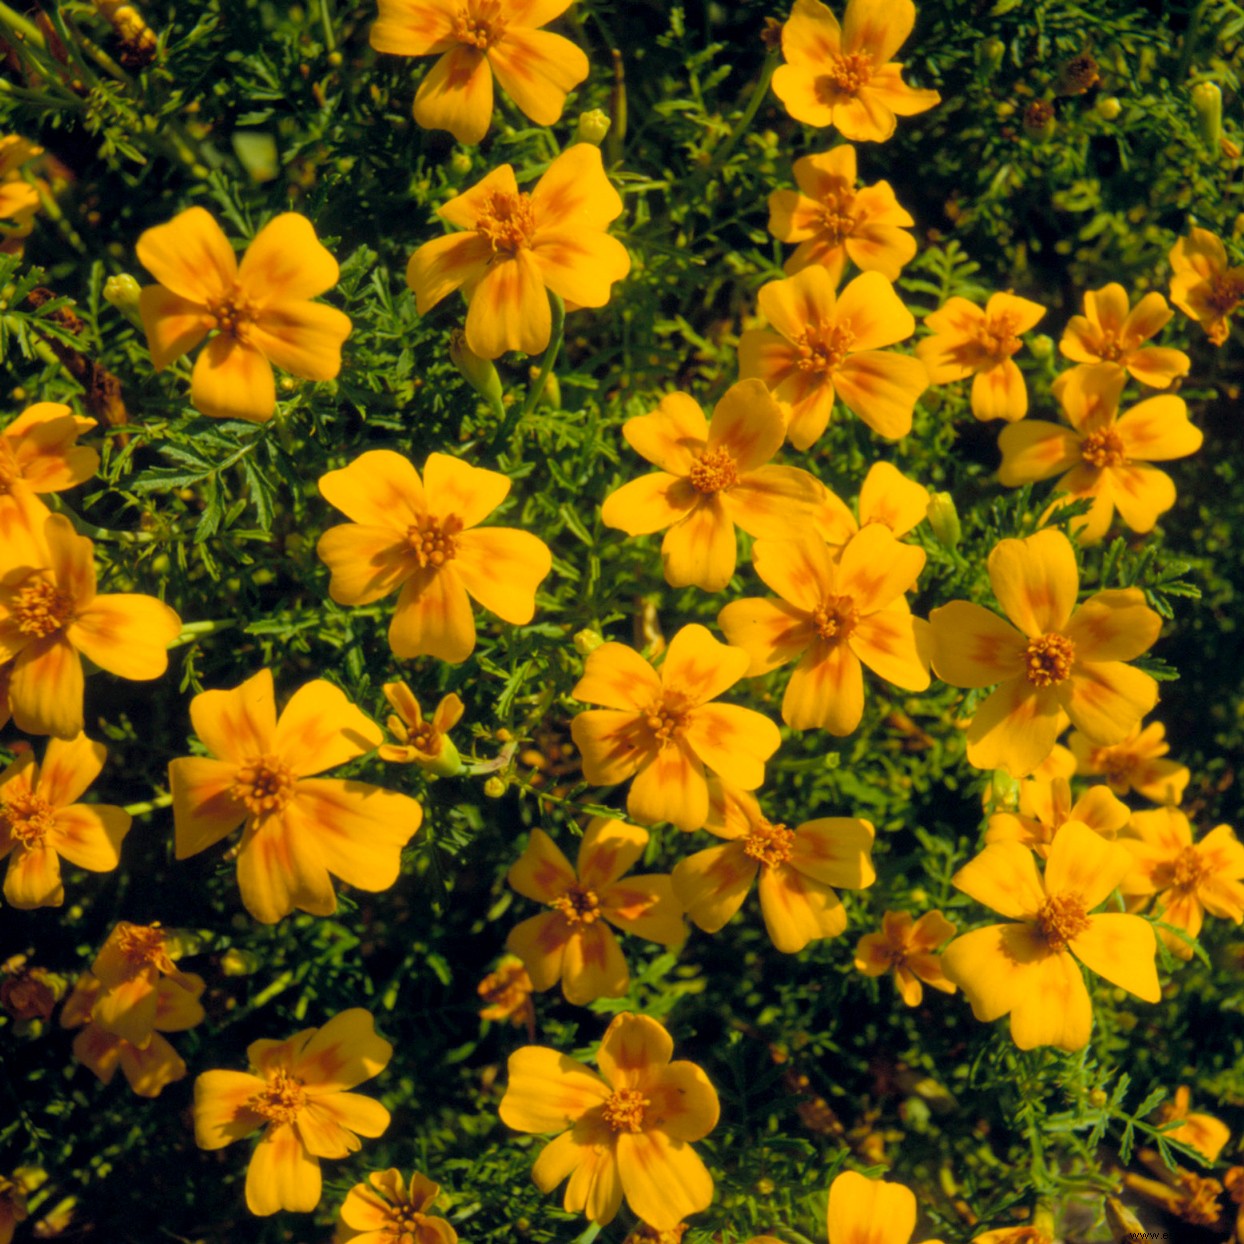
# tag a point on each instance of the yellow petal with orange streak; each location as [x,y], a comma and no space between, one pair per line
[454,488]
[682,1102]
[1054,1008]
[1081,340]
[713,883]
[882,247]
[204,811]
[699,666]
[895,645]
[595,1187]
[221,1113]
[973,647]
[775,502]
[646,906]
[1000,393]
[282,1174]
[826,690]
[1107,699]
[1142,493]
[875,314]
[835,850]
[1121,949]
[732,740]
[1113,626]
[633,1048]
[612,743]
[700,549]
[189,256]
[672,436]
[575,193]
[870,1210]
[238,724]
[650,503]
[875,569]
[1084,864]
[793,217]
[69,767]
[379,488]
[177,1002]
[365,563]
[413,28]
[670,786]
[1024,313]
[174,325]
[798,909]
[336,1120]
[456,95]
[617,677]
[537,69]
[747,424]
[342,1053]
[286,262]
[148,1071]
[557,1160]
[90,835]
[1034,450]
[42,439]
[33,878]
[1035,580]
[593,966]
[445,264]
[1003,877]
[799,303]
[320,728]
[433,618]
[771,632]
[540,942]
[796,86]
[509,309]
[278,871]
[1158,430]
[232,380]
[501,568]
[46,687]
[888,497]
[303,338]
[664,1180]
[607,850]
[126,634]
[1015,728]
[881,388]
[548,1091]
[993,966]
[877,28]
[542,873]
[127,1008]
[1158,366]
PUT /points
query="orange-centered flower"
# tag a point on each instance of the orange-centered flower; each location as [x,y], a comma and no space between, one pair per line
[1136,764]
[832,221]
[828,345]
[475,39]
[260,311]
[625,1132]
[714,476]
[425,743]
[388,1209]
[870,1211]
[573,942]
[1045,806]
[39,453]
[515,245]
[797,868]
[298,829]
[41,821]
[420,535]
[662,728]
[908,949]
[1110,333]
[834,616]
[50,613]
[843,75]
[967,341]
[296,1090]
[1029,970]
[1102,456]
[1056,659]
[1203,286]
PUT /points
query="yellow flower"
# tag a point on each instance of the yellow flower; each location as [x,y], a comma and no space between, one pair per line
[41,820]
[513,246]
[887,497]
[1187,879]
[19,198]
[909,949]
[1029,970]
[1111,333]
[261,311]
[50,613]
[389,1210]
[476,39]
[870,1211]
[573,943]
[1102,456]
[625,1132]
[714,476]
[1045,806]
[1136,764]
[1056,661]
[834,617]
[663,729]
[828,346]
[508,994]
[1202,1132]
[39,454]
[419,535]
[1203,286]
[425,743]
[832,221]
[296,1091]
[298,828]
[843,75]
[797,868]
[967,341]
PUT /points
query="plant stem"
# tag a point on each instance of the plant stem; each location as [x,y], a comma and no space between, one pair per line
[83,528]
[326,19]
[191,631]
[517,414]
[151,805]
[21,27]
[759,91]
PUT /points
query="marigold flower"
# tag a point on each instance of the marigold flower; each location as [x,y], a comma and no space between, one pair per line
[296,1091]
[870,1211]
[1056,661]
[41,820]
[39,454]
[1203,286]
[832,221]
[128,971]
[797,870]
[1110,333]
[418,535]
[1102,456]
[908,949]
[714,476]
[29,993]
[425,743]
[50,613]
[19,204]
[1045,806]
[828,346]
[515,245]
[663,729]
[625,1132]
[967,341]
[1202,1132]
[476,39]
[298,828]
[887,497]
[573,943]
[1186,879]
[1136,764]
[261,310]
[1028,970]
[843,75]
[834,617]
[389,1210]
[508,994]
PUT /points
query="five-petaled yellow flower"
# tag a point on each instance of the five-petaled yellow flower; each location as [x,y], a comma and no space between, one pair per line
[297,1091]
[624,1133]
[842,75]
[260,311]
[39,454]
[908,949]
[476,39]
[573,942]
[829,345]
[423,536]
[662,729]
[1112,333]
[389,1209]
[513,246]
[1137,764]
[425,743]
[1028,969]
[1203,286]
[1051,659]
[298,828]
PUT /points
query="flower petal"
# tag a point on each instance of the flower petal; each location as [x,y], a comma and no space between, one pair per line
[881,388]
[33,878]
[775,502]
[342,1053]
[973,647]
[46,687]
[672,436]
[1035,580]
[282,1174]
[501,568]
[1113,626]
[542,873]
[540,942]
[874,311]
[608,850]
[613,744]
[1083,863]
[826,690]
[593,966]
[797,910]
[238,724]
[1054,1007]
[232,380]
[771,632]
[713,883]
[89,835]
[509,309]
[671,786]
[221,1113]
[1000,393]
[732,740]
[575,192]
[126,634]
[547,1091]
[302,338]
[700,667]
[379,488]
[617,677]
[1003,877]
[1121,949]
[1015,728]
[870,1210]
[433,618]
[320,729]
[748,424]
[204,810]
[457,96]
[582,266]
[174,325]
[1033,450]
[69,767]
[189,256]
[445,264]
[278,870]
[365,563]
[664,1180]
[835,850]
[896,646]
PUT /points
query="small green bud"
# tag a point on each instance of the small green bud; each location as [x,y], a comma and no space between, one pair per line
[944,519]
[989,54]
[494,788]
[1108,108]
[1041,346]
[122,292]
[1207,100]
[587,641]
[460,162]
[593,126]
[236,962]
[1004,789]
[479,373]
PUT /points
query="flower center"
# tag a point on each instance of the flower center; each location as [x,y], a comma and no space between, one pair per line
[996,336]
[823,347]
[667,717]
[264,785]
[837,221]
[845,74]
[714,471]
[41,608]
[624,1110]
[578,905]
[233,312]
[143,946]
[478,25]
[1109,349]
[835,618]
[1115,763]
[403,1225]
[508,221]
[1103,448]
[1061,918]
[770,844]
[1188,870]
[1048,659]
[432,541]
[1226,291]
[281,1100]
[28,818]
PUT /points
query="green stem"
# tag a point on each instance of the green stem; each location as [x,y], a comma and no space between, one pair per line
[326,20]
[517,414]
[191,631]
[759,91]
[22,27]
[151,805]
[1189,43]
[83,528]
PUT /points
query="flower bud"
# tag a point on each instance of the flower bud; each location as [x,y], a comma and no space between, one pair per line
[1039,121]
[593,126]
[494,788]
[479,373]
[1003,789]
[1078,75]
[460,162]
[1041,346]
[446,763]
[1108,108]
[1207,100]
[122,292]
[236,962]
[587,641]
[989,54]
[944,519]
